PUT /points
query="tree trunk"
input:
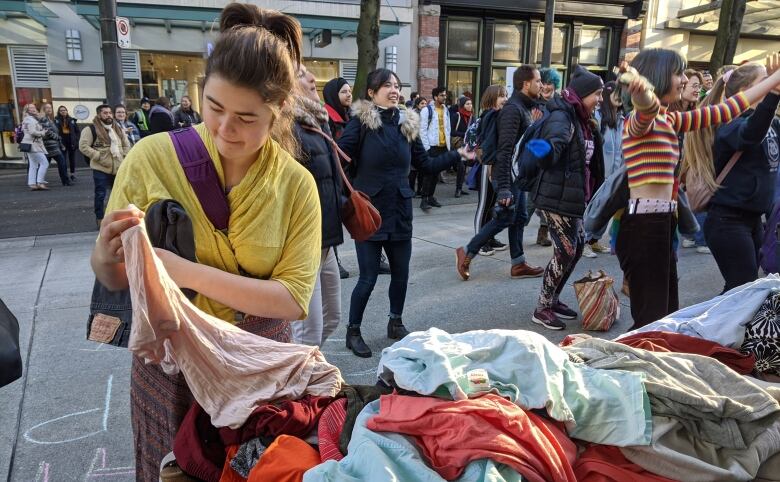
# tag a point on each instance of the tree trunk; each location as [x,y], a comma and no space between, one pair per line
[368,45]
[732,13]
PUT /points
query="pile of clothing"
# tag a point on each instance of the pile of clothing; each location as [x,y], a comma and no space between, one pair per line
[674,401]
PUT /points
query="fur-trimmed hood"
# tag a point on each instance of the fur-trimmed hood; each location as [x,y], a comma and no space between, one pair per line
[309,112]
[369,116]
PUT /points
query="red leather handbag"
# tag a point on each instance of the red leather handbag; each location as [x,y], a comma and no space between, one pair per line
[359,216]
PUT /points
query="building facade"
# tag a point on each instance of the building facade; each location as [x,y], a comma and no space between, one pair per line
[467,46]
[50,51]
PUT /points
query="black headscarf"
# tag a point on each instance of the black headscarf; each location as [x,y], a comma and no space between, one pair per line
[331,94]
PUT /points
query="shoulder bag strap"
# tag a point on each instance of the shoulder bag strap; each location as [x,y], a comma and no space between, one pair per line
[336,151]
[727,169]
[200,171]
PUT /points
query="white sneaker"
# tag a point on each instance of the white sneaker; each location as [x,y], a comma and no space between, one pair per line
[587,251]
[688,243]
[703,250]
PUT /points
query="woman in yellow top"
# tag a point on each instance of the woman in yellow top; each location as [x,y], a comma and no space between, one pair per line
[265,263]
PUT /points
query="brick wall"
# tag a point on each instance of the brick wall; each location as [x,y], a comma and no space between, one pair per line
[631,40]
[428,49]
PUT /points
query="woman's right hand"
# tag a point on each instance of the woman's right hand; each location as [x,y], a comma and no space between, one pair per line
[108,249]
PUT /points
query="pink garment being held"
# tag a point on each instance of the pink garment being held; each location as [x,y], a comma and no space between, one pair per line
[229,371]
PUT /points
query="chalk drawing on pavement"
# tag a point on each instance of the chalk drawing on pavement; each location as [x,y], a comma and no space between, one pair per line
[98,468]
[28,435]
[43,472]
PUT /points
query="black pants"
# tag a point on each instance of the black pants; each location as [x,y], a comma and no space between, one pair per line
[430,180]
[460,168]
[70,154]
[734,236]
[62,168]
[415,181]
[644,249]
[399,253]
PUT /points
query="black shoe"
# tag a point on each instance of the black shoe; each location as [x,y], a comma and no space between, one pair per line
[496,245]
[458,193]
[343,274]
[396,329]
[73,178]
[434,202]
[356,343]
[424,204]
[464,193]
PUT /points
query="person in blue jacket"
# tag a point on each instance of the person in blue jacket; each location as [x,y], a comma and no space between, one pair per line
[733,229]
[383,143]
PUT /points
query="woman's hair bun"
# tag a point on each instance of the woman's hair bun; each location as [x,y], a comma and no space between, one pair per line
[239,15]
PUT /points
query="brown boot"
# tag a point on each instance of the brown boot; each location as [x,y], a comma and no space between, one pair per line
[524,270]
[462,262]
[542,237]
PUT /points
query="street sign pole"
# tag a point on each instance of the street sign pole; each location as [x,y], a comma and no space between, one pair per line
[549,24]
[112,59]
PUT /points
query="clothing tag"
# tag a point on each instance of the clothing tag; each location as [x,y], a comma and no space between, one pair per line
[478,380]
[103,328]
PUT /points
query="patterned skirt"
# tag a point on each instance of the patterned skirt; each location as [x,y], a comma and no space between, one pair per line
[158,402]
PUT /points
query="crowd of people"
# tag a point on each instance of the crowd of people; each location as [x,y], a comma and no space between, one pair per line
[282,154]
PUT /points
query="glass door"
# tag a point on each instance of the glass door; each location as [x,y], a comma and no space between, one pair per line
[461,80]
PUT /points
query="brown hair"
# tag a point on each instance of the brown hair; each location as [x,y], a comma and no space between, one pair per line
[491,95]
[698,159]
[681,105]
[260,49]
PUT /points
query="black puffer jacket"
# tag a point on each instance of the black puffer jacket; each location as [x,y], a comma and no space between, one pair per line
[52,137]
[317,157]
[513,119]
[561,185]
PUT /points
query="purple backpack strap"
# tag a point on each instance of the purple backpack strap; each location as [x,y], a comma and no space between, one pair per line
[200,171]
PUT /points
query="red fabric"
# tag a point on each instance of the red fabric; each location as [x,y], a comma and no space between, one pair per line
[333,114]
[452,434]
[285,460]
[605,463]
[197,447]
[228,474]
[290,417]
[329,430]
[665,341]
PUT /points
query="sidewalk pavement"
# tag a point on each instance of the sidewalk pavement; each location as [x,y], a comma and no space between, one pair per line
[69,417]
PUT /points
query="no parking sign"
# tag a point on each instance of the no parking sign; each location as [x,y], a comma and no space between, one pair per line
[123,32]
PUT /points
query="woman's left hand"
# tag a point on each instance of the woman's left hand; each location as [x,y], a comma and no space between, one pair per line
[467,154]
[177,267]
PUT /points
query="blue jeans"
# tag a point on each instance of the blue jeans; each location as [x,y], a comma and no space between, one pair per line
[399,253]
[513,221]
[701,218]
[103,183]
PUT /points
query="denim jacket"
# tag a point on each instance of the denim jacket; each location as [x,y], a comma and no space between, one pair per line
[170,228]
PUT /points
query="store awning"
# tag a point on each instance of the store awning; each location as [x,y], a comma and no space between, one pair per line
[762,19]
[33,10]
[173,16]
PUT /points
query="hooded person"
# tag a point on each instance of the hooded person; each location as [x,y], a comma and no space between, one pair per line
[141,117]
[338,99]
[570,172]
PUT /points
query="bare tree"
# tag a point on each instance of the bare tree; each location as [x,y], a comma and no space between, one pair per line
[367,43]
[732,12]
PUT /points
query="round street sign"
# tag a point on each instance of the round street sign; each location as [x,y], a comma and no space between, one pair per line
[123,32]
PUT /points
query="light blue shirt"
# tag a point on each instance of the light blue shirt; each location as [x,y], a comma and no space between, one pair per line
[392,457]
[600,406]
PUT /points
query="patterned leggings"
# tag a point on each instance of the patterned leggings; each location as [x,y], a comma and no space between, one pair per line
[568,239]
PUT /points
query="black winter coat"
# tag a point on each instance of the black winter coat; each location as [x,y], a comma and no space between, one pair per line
[69,141]
[319,159]
[51,139]
[513,119]
[383,147]
[561,185]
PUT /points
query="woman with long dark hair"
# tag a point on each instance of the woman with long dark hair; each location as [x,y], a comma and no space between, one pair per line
[383,143]
[733,228]
[69,136]
[338,100]
[651,150]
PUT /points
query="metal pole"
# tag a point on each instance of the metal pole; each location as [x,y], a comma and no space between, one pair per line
[112,59]
[549,24]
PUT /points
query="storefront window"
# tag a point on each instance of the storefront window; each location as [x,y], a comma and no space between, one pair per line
[170,75]
[462,40]
[594,45]
[7,108]
[323,70]
[508,44]
[461,80]
[560,39]
[499,76]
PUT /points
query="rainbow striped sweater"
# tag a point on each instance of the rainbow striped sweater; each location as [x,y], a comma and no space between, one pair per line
[650,144]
